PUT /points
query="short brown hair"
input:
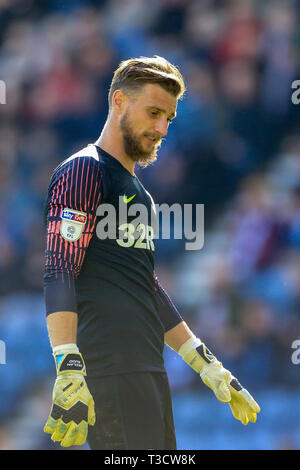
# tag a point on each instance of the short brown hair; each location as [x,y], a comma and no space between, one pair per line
[132,74]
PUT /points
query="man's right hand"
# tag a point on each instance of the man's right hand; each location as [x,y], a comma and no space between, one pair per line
[73,406]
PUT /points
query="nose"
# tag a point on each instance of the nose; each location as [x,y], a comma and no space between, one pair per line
[161,127]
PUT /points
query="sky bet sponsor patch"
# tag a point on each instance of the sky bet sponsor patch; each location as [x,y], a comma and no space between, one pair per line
[72,223]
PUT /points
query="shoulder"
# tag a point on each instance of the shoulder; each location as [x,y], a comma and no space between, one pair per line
[77,181]
[85,164]
[85,156]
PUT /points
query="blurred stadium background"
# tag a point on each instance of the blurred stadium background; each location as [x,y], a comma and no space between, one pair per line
[234,147]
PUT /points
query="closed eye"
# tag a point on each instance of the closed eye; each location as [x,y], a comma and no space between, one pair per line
[157,113]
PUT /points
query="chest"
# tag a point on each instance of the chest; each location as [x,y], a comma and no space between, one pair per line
[128,213]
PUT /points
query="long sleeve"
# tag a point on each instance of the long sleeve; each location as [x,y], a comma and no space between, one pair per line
[73,197]
[168,312]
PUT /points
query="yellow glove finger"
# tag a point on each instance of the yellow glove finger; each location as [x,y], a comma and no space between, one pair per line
[234,410]
[243,396]
[244,417]
[91,413]
[252,417]
[60,431]
[242,406]
[250,400]
[239,413]
[70,436]
[82,432]
[50,426]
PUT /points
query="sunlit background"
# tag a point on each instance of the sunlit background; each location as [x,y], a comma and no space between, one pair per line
[234,147]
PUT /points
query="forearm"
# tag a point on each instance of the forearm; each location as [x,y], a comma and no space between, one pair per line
[62,328]
[178,335]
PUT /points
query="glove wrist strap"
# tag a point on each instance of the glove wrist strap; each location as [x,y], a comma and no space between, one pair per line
[63,348]
[196,354]
[68,360]
[189,345]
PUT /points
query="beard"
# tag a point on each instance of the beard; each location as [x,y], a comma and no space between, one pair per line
[133,146]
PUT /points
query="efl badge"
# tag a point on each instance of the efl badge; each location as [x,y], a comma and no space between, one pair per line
[72,223]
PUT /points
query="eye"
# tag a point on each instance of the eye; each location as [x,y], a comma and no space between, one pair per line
[170,121]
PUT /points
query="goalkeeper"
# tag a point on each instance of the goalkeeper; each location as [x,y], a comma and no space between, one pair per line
[108,316]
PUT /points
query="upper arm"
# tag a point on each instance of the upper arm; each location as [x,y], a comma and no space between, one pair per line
[73,197]
[168,312]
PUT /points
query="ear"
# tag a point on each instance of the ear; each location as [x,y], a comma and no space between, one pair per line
[119,101]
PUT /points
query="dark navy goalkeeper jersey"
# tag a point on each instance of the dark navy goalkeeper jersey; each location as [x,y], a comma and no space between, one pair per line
[99,263]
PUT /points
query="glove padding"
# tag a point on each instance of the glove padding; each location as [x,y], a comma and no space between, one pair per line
[73,406]
[228,390]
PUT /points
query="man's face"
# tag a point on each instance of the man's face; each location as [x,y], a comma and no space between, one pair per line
[145,122]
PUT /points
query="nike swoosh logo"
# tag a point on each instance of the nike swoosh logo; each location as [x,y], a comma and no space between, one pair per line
[128,199]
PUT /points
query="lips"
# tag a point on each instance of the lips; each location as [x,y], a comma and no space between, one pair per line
[151,139]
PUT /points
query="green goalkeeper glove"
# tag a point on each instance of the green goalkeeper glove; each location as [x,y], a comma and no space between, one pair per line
[226,387]
[73,405]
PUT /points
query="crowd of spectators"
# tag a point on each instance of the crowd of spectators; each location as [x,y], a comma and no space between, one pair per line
[234,147]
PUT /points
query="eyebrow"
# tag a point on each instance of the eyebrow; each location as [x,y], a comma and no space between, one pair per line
[171,116]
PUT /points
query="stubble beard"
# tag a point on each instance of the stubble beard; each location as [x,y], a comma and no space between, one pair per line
[133,147]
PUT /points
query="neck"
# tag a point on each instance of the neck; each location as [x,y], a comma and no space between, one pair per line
[111,141]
